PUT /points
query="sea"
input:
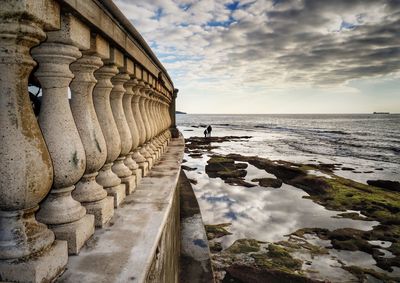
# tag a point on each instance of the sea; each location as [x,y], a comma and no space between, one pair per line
[369,144]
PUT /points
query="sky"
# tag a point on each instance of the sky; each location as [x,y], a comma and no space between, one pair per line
[276,56]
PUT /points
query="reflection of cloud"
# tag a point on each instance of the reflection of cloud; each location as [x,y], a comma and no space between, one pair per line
[270,42]
[260,213]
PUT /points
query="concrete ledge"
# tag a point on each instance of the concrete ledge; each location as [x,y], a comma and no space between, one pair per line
[141,242]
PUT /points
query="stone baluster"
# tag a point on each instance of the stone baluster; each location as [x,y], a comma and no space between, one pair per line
[161,122]
[26,171]
[148,104]
[147,120]
[91,194]
[142,160]
[65,216]
[101,98]
[161,115]
[130,161]
[156,114]
[144,150]
[167,123]
[116,97]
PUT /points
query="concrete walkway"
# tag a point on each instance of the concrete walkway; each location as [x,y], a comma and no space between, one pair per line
[140,238]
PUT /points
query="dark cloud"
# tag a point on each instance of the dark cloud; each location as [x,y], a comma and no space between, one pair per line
[307,41]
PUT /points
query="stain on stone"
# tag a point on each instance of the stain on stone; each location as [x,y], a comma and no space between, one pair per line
[97,144]
[75,159]
[200,243]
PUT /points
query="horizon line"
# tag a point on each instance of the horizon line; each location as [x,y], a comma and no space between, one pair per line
[310,113]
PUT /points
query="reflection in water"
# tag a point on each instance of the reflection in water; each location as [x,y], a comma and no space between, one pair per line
[269,214]
[265,214]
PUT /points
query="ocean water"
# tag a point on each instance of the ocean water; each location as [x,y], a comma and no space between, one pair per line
[368,143]
[361,141]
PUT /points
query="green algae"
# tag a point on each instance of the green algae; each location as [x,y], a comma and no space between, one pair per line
[217,230]
[361,274]
[220,159]
[298,245]
[244,246]
[277,258]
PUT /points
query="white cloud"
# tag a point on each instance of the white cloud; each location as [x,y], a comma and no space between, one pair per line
[270,44]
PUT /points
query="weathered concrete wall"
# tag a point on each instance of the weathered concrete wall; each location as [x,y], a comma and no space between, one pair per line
[165,264]
[195,261]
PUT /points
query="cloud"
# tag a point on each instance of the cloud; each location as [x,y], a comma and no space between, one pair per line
[225,45]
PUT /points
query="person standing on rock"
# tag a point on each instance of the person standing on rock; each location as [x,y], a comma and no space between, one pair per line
[205,133]
[209,129]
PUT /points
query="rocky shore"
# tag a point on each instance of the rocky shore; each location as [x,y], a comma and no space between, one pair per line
[250,260]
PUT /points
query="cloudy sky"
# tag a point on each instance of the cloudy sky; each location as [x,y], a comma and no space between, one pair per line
[276,56]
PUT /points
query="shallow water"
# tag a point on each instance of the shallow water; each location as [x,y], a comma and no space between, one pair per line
[268,214]
[265,214]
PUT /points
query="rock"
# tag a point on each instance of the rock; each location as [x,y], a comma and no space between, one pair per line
[232,174]
[311,184]
[244,246]
[217,230]
[348,169]
[251,274]
[241,165]
[386,184]
[239,182]
[196,155]
[268,182]
[187,168]
[215,167]
[215,246]
[215,164]
[192,181]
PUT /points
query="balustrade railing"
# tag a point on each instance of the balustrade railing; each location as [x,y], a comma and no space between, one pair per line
[64,172]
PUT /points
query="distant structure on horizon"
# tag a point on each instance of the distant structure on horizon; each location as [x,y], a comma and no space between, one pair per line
[180,112]
[381,113]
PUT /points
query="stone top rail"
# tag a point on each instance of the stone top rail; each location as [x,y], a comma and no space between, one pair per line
[106,19]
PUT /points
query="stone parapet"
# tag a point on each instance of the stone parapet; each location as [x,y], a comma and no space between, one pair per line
[72,153]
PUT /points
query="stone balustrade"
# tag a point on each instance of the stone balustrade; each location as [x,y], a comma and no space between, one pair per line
[106,113]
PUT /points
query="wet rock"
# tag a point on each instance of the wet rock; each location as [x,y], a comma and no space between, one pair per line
[352,215]
[348,169]
[238,182]
[311,184]
[217,163]
[244,246]
[196,155]
[241,165]
[386,184]
[217,230]
[215,246]
[225,174]
[251,274]
[187,168]
[268,182]
[363,273]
